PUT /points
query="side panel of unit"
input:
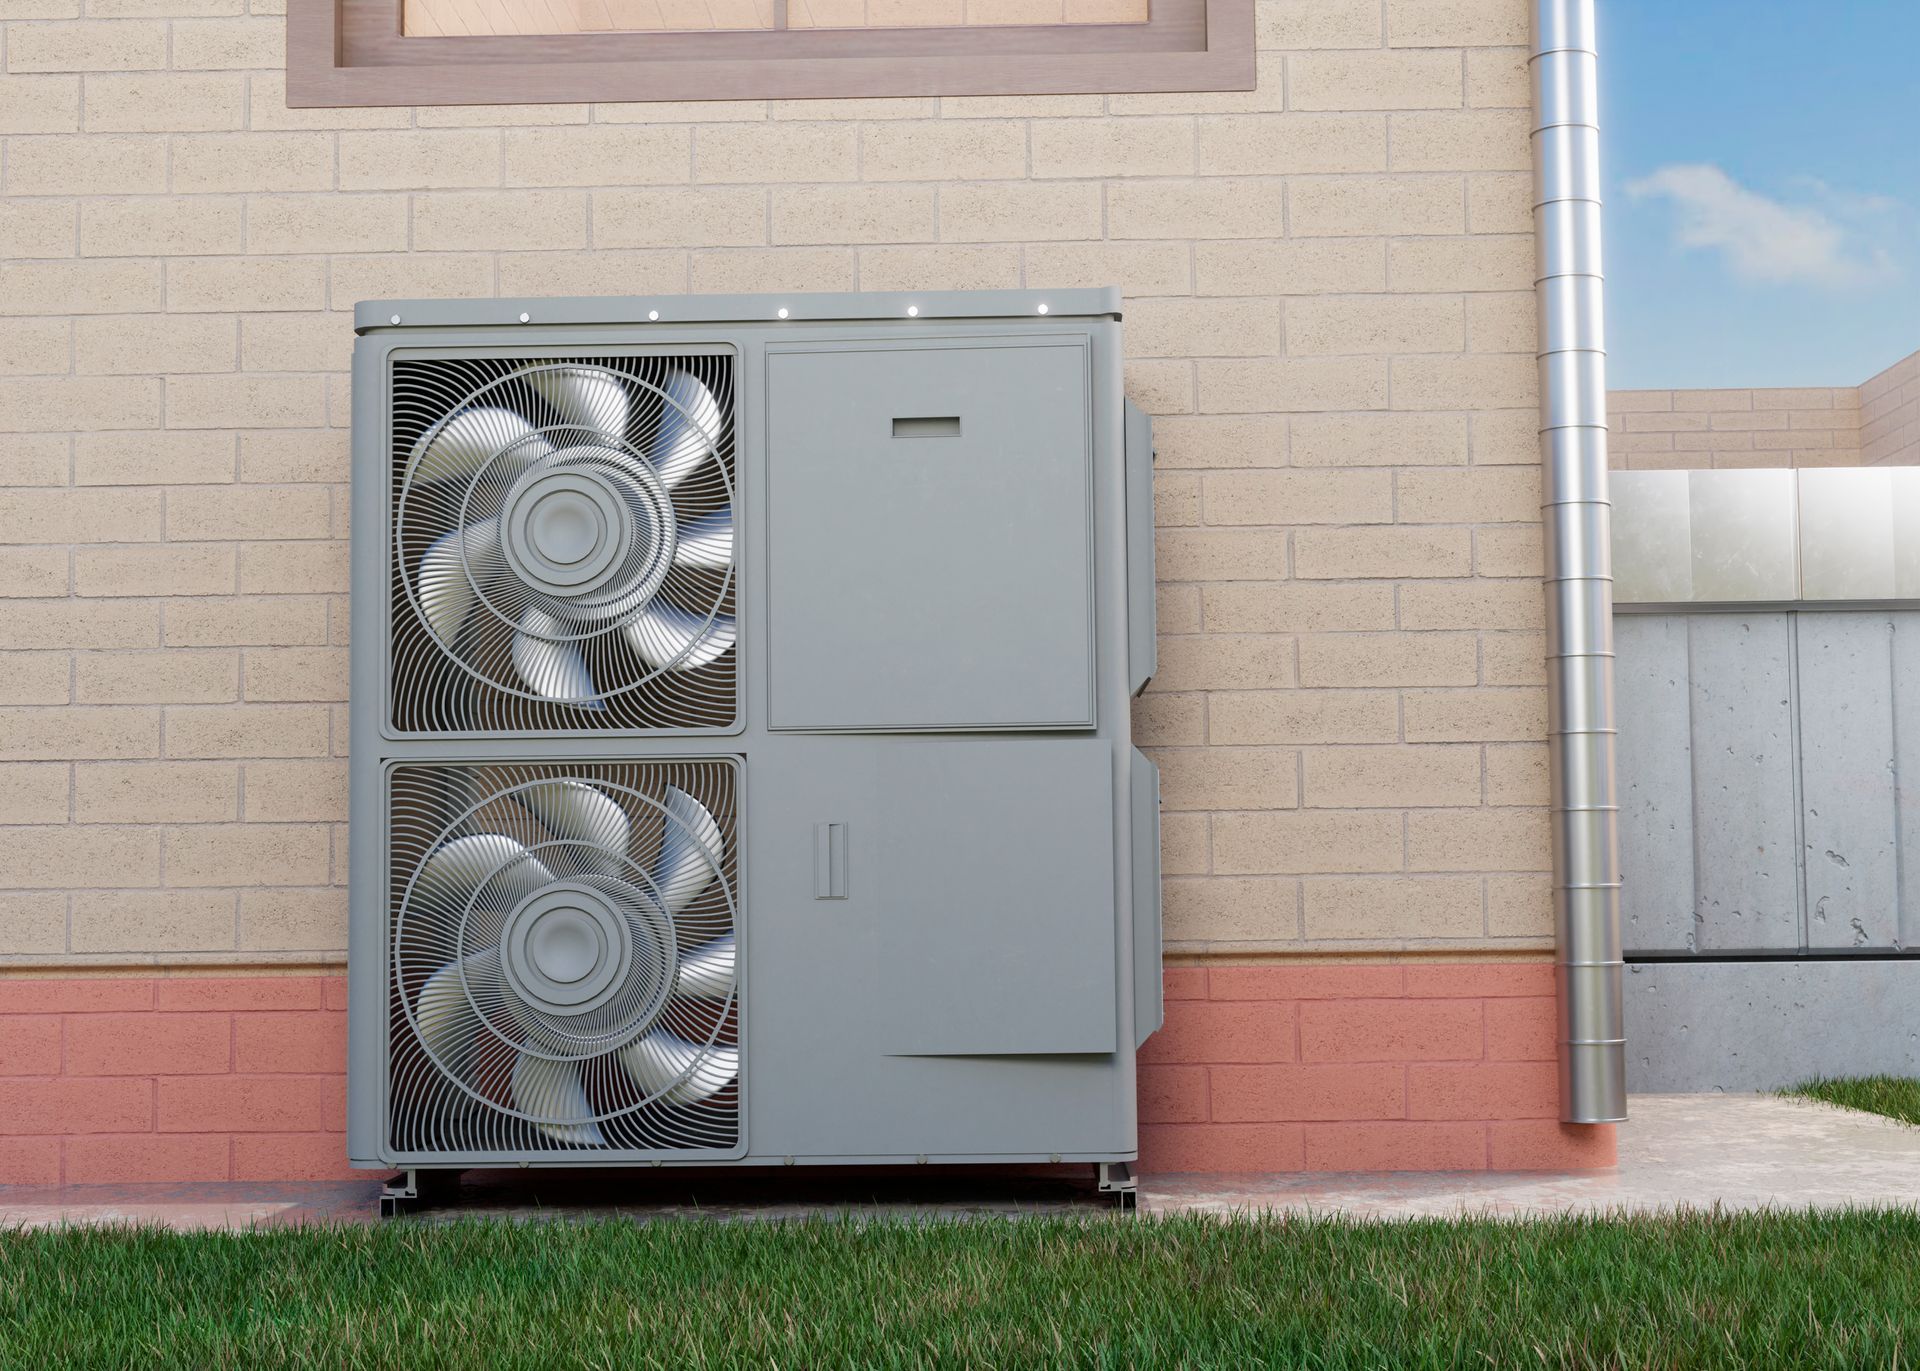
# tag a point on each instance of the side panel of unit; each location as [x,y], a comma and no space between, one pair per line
[367,852]
[1143,657]
[1149,993]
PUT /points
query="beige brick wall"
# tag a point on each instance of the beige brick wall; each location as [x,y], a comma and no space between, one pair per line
[1328,308]
[1890,416]
[1876,423]
[1665,429]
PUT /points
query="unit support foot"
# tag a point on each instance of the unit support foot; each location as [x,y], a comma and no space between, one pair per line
[1118,1182]
[414,1189]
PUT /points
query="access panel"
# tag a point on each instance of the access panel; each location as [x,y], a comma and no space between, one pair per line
[930,544]
[934,963]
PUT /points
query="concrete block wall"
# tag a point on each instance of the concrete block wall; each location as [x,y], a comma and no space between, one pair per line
[1329,311]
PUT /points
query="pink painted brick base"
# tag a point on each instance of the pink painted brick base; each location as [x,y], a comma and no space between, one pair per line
[1259,1068]
[163,1078]
[1439,1067]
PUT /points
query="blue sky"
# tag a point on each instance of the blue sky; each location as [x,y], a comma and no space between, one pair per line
[1763,196]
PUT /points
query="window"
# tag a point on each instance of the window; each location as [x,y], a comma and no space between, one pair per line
[426,52]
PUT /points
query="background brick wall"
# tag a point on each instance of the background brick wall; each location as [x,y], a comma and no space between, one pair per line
[1329,309]
[1659,429]
[1890,416]
[1876,423]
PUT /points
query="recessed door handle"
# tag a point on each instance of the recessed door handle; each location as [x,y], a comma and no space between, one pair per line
[829,861]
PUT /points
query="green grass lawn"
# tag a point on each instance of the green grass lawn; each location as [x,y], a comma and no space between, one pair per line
[1898,1097]
[1780,1290]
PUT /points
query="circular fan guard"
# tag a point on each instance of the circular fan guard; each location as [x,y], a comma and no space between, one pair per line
[563,541]
[564,959]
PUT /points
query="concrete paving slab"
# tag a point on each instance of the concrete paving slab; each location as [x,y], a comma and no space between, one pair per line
[1735,1151]
[190,1206]
[1738,1152]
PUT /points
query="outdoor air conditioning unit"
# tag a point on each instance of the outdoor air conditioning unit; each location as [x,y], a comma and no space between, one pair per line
[741,765]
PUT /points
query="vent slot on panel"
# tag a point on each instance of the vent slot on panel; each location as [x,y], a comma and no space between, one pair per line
[563,960]
[929,426]
[563,544]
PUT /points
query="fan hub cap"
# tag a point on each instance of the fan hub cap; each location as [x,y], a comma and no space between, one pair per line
[566,532]
[567,949]
[591,532]
[565,945]
[566,526]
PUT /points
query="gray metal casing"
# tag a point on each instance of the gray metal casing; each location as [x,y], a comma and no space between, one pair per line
[948,848]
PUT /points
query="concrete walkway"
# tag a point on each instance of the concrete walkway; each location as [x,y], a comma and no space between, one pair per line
[1736,1151]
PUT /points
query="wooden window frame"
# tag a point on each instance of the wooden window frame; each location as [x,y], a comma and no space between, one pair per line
[351,53]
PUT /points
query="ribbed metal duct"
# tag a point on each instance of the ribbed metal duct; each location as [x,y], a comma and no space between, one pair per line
[1579,581]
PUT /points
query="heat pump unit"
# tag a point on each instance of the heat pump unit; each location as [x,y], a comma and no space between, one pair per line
[741,769]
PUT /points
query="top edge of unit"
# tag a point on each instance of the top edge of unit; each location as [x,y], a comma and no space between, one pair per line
[798,307]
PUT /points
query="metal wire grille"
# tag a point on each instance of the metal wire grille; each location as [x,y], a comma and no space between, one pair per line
[563,959]
[563,544]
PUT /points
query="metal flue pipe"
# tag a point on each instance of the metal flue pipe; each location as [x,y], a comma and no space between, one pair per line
[1576,513]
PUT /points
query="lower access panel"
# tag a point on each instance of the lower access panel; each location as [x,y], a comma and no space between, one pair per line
[934,968]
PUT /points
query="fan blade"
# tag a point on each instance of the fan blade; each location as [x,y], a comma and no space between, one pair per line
[585,397]
[667,636]
[689,852]
[444,1014]
[583,813]
[552,670]
[461,446]
[551,1091]
[686,1072]
[707,972]
[706,541]
[453,871]
[444,586]
[689,428]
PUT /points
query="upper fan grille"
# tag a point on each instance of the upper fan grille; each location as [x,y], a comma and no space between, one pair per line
[563,543]
[563,959]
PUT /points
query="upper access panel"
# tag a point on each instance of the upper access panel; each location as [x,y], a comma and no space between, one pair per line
[930,534]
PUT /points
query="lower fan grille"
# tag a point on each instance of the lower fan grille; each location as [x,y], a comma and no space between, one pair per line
[563,960]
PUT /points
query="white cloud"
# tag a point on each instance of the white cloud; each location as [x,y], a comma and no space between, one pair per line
[1764,239]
